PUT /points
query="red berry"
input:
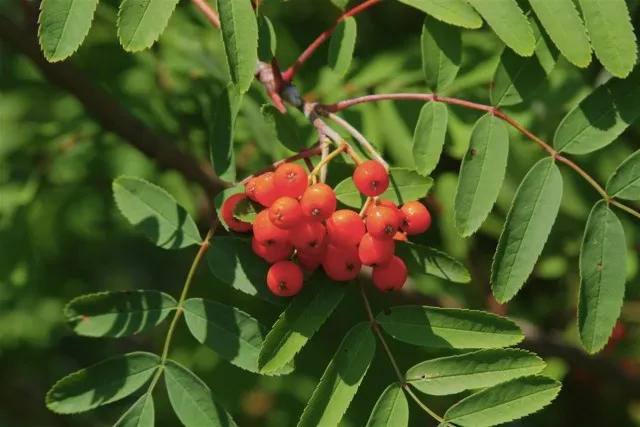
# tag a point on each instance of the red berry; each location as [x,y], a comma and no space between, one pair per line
[227,214]
[345,229]
[374,252]
[291,180]
[309,237]
[284,278]
[265,190]
[286,212]
[388,204]
[266,232]
[308,261]
[391,276]
[341,264]
[382,222]
[400,236]
[417,218]
[318,202]
[272,253]
[250,189]
[371,178]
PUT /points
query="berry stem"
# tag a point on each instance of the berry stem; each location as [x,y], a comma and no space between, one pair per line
[365,206]
[360,138]
[325,160]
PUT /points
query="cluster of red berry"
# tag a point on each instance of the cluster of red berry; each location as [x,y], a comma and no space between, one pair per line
[302,219]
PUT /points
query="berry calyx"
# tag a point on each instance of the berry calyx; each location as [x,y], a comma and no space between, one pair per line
[227,214]
[309,237]
[266,232]
[417,218]
[345,229]
[382,222]
[371,178]
[264,190]
[250,189]
[391,276]
[341,264]
[291,180]
[318,202]
[284,278]
[374,251]
[310,261]
[272,253]
[286,213]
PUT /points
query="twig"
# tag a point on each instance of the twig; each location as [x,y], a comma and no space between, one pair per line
[208,12]
[301,155]
[360,138]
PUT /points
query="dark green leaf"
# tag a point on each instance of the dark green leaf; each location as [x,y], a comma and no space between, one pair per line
[429,136]
[105,382]
[342,45]
[481,173]
[154,213]
[192,400]
[441,53]
[266,39]
[625,181]
[504,402]
[299,321]
[341,380]
[141,414]
[391,409]
[454,12]
[422,260]
[603,270]
[118,314]
[448,328]
[283,127]
[221,137]
[240,37]
[484,368]
[63,25]
[140,22]
[528,224]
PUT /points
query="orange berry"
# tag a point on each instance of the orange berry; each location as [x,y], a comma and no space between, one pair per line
[417,218]
[345,229]
[374,251]
[391,276]
[309,237]
[227,214]
[318,202]
[388,204]
[291,180]
[266,232]
[286,213]
[272,253]
[341,264]
[382,222]
[265,190]
[308,261]
[284,278]
[400,236]
[250,189]
[371,178]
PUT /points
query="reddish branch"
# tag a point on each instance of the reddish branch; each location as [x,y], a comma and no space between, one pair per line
[208,12]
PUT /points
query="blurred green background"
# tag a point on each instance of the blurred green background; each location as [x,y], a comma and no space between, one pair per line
[61,235]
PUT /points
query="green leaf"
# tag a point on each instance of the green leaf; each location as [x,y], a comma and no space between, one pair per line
[118,314]
[531,216]
[448,327]
[246,210]
[507,20]
[603,271]
[299,321]
[192,400]
[221,137]
[140,22]
[240,38]
[441,53]
[454,12]
[404,185]
[63,25]
[601,117]
[266,39]
[392,409]
[283,128]
[562,22]
[230,332]
[153,212]
[141,414]
[484,368]
[233,262]
[429,136]
[342,45]
[105,382]
[517,78]
[609,26]
[625,181]
[504,402]
[341,380]
[481,173]
[424,261]
[221,197]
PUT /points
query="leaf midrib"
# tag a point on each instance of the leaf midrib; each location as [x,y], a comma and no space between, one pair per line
[600,275]
[419,325]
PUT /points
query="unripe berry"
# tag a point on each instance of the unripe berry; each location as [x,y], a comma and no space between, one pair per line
[266,233]
[371,178]
[391,276]
[291,180]
[286,213]
[345,229]
[417,218]
[284,278]
[382,223]
[309,237]
[272,253]
[227,214]
[374,252]
[318,202]
[341,264]
[265,191]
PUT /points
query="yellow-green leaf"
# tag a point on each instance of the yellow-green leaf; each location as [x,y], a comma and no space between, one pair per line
[240,37]
[454,12]
[63,25]
[140,22]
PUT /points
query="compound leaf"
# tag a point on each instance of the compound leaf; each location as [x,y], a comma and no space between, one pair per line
[625,181]
[140,22]
[240,38]
[63,25]
[454,12]
[391,409]
[342,45]
[429,136]
[441,54]
[424,261]
[221,137]
[141,414]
